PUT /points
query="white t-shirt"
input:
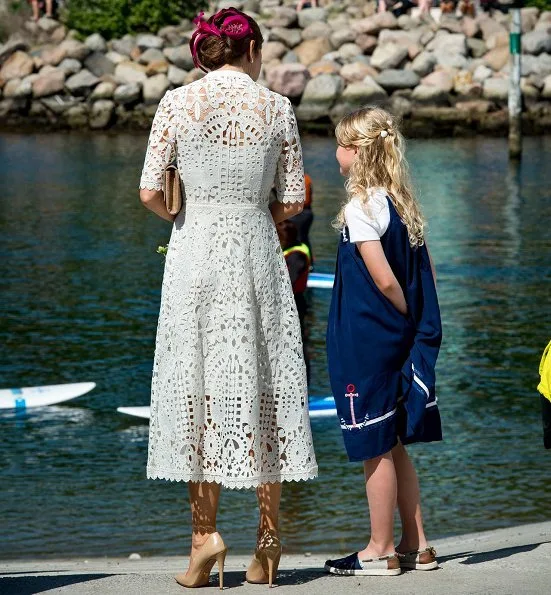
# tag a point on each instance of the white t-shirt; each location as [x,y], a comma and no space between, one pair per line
[370,221]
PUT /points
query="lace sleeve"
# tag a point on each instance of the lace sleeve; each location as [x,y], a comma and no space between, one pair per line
[161,146]
[290,170]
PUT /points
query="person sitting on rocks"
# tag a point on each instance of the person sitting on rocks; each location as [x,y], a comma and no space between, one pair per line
[466,8]
[38,5]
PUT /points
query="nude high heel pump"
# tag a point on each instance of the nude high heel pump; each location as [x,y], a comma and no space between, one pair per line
[213,550]
[265,562]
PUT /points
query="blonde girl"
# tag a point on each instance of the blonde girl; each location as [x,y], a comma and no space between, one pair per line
[383,338]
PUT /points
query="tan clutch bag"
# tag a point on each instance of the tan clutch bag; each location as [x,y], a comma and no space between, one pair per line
[172,189]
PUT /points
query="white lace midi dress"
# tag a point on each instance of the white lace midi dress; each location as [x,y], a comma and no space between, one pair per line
[229,397]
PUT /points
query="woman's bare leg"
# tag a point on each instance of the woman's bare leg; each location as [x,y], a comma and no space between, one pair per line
[203,497]
[381,488]
[269,497]
[409,502]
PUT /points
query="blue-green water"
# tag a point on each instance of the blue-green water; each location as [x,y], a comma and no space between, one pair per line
[81,287]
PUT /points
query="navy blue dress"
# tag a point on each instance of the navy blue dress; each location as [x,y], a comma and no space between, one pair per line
[381,363]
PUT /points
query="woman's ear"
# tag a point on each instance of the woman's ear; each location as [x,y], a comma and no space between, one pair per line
[252,51]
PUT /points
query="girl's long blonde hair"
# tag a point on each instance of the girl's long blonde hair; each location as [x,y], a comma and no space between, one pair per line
[380,163]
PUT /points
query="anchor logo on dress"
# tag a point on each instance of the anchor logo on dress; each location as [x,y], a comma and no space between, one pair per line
[351,394]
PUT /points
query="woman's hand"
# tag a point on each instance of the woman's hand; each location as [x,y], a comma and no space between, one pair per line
[154,201]
[285,210]
[375,260]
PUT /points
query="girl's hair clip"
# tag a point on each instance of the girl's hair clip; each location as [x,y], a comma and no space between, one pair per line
[383,133]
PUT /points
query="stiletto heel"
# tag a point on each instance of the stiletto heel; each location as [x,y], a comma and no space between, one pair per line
[265,562]
[273,564]
[221,558]
[212,551]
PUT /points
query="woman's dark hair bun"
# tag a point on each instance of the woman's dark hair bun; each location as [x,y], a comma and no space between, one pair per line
[214,52]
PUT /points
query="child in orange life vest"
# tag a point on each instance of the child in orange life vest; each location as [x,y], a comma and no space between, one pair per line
[298,259]
[304,219]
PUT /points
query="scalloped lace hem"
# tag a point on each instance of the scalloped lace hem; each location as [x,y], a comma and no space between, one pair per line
[232,483]
[292,198]
[151,186]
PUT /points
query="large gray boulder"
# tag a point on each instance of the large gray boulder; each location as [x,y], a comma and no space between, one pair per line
[70,66]
[282,16]
[101,114]
[448,59]
[373,24]
[476,47]
[489,26]
[81,83]
[104,90]
[424,63]
[290,37]
[180,56]
[341,36]
[98,64]
[546,92]
[310,15]
[391,79]
[496,89]
[497,59]
[356,95]
[146,40]
[317,29]
[129,93]
[319,96]
[59,104]
[96,43]
[10,47]
[355,72]
[273,50]
[426,94]
[348,52]
[536,42]
[17,66]
[124,46]
[154,88]
[151,55]
[75,49]
[389,55]
[130,72]
[454,43]
[288,79]
[176,75]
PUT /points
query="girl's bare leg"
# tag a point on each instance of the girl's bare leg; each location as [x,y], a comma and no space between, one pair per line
[409,502]
[203,497]
[269,497]
[49,8]
[381,488]
[36,13]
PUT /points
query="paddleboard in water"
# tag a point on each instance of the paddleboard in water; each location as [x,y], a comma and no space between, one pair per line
[321,280]
[318,408]
[41,396]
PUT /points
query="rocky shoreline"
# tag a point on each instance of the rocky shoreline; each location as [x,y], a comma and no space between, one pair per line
[445,76]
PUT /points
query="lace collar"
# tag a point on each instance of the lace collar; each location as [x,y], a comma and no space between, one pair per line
[226,72]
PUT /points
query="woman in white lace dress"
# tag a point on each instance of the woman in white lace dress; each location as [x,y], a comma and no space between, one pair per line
[229,403]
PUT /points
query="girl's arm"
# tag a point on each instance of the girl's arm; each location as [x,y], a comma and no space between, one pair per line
[154,201]
[380,271]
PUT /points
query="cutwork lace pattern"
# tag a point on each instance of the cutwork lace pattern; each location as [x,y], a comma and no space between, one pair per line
[229,396]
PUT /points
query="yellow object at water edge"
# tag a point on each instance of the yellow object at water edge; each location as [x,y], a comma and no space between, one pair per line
[544,386]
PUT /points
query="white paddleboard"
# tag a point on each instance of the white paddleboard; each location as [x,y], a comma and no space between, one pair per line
[318,408]
[41,396]
[321,280]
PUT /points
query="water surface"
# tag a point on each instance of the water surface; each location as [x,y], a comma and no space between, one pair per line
[81,288]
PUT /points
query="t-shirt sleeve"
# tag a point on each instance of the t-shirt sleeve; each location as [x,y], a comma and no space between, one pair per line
[367,222]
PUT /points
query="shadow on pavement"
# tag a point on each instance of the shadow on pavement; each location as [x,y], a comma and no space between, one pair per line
[233,578]
[478,558]
[28,585]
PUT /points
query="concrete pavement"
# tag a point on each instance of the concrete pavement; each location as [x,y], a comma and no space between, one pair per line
[510,561]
